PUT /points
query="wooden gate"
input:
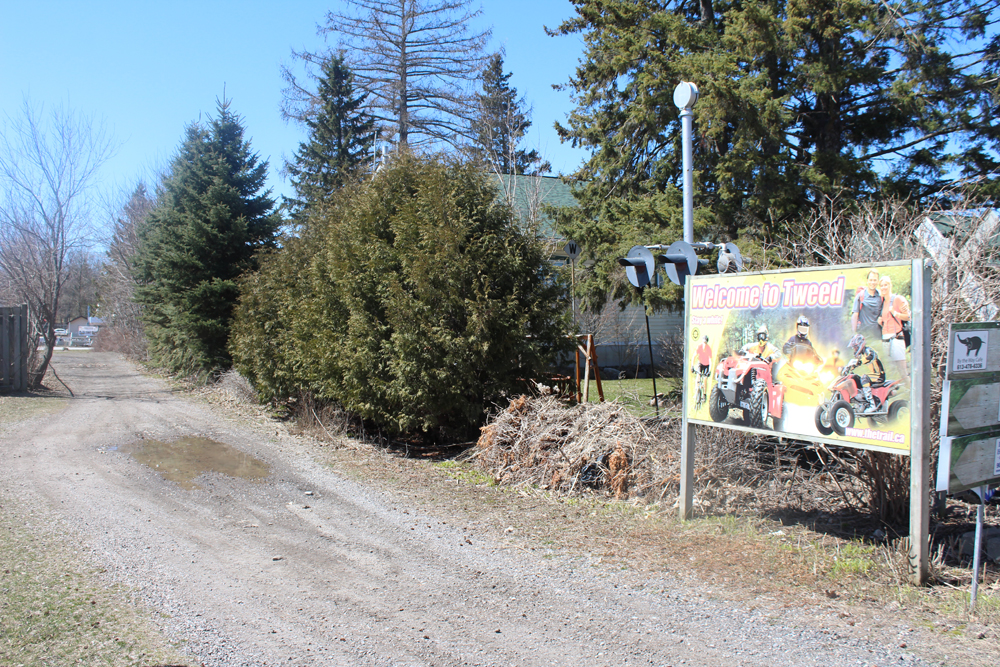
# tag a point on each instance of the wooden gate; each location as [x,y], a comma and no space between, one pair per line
[13,351]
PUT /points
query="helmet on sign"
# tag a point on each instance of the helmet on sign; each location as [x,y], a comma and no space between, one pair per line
[857,344]
[762,333]
[802,326]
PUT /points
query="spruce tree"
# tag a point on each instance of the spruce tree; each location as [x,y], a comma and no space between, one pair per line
[500,124]
[341,137]
[212,217]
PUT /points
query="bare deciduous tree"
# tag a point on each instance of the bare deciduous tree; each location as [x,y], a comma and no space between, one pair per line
[47,167]
[414,58]
[122,314]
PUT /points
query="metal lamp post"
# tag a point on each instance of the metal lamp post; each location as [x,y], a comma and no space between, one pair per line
[685,97]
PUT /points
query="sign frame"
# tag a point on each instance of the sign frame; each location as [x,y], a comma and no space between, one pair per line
[919,407]
[970,409]
[878,437]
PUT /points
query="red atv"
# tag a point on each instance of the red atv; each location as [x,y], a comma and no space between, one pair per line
[744,382]
[846,402]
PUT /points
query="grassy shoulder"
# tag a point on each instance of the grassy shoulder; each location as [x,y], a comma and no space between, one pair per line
[18,407]
[636,394]
[54,610]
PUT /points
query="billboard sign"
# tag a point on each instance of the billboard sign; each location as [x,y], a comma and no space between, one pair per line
[821,354]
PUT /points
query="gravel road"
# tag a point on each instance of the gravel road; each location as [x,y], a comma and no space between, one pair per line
[304,567]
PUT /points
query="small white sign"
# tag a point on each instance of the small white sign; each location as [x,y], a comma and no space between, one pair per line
[572,250]
[969,351]
[996,463]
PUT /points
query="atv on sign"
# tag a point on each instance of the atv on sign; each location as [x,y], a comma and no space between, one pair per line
[845,404]
[744,382]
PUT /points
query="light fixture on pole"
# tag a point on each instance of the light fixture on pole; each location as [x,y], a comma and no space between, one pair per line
[685,97]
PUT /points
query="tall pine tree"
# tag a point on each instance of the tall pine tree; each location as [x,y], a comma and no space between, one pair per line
[800,100]
[212,217]
[500,124]
[341,137]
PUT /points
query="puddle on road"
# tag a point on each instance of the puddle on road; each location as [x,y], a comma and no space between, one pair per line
[183,460]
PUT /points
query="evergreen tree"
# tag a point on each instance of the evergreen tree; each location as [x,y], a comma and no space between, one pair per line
[211,219]
[434,302]
[341,137]
[800,100]
[501,123]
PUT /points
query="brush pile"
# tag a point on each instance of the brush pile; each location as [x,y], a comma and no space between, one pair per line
[540,441]
[603,448]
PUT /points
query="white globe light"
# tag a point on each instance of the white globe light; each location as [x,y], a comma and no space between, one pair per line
[685,95]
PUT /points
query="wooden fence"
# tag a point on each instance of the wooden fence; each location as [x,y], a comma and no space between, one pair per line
[13,351]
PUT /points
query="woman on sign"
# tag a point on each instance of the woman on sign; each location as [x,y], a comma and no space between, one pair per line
[895,311]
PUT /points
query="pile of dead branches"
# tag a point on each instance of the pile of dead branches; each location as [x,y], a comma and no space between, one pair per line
[542,442]
[602,447]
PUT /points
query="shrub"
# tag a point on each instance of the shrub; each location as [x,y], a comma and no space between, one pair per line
[413,300]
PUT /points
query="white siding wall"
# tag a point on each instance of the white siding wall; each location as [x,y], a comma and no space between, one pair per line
[620,335]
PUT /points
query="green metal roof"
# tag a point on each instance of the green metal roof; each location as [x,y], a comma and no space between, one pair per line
[529,195]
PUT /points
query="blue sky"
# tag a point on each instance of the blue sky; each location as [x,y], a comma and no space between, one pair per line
[149,69]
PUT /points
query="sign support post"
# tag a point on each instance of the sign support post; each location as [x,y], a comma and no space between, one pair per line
[686,498]
[976,558]
[969,459]
[920,423]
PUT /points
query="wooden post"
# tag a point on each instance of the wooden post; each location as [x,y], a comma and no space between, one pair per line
[920,423]
[589,351]
[579,391]
[597,368]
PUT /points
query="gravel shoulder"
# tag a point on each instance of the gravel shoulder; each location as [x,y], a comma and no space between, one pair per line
[321,563]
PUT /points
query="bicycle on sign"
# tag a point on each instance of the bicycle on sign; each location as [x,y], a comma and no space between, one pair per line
[701,366]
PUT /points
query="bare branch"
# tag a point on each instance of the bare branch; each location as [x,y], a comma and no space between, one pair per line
[47,167]
[414,58]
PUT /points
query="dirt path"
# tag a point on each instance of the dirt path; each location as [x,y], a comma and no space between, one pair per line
[307,568]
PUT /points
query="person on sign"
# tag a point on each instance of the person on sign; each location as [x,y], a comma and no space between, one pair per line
[875,377]
[799,346]
[760,347]
[763,350]
[867,309]
[895,311]
[702,361]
